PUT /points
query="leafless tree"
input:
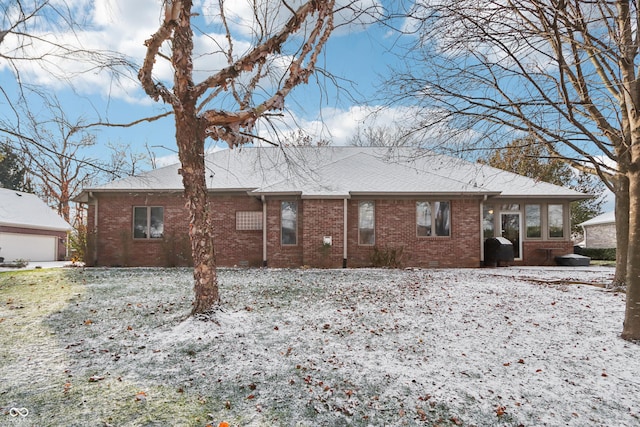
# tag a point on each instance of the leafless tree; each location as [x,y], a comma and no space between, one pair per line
[30,37]
[562,71]
[56,152]
[227,104]
[46,36]
[383,136]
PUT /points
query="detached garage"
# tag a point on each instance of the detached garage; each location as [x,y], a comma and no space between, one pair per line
[29,229]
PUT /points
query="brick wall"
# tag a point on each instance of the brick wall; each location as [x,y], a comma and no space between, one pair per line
[323,218]
[115,245]
[543,252]
[279,255]
[395,228]
[600,236]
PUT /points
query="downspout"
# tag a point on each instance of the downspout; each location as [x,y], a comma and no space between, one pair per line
[95,229]
[481,231]
[264,231]
[344,235]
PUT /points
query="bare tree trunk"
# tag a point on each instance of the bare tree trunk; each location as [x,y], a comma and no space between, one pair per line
[190,136]
[631,327]
[622,231]
[631,165]
[242,76]
[191,148]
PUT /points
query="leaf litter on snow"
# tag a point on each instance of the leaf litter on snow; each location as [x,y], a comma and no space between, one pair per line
[363,347]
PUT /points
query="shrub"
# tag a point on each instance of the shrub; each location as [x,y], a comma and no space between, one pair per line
[387,257]
[603,254]
[176,250]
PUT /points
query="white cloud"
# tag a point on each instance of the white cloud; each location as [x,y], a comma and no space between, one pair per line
[122,26]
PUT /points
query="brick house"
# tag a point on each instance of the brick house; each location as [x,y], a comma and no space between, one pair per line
[29,229]
[600,231]
[332,207]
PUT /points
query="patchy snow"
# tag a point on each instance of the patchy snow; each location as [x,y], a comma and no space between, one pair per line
[474,347]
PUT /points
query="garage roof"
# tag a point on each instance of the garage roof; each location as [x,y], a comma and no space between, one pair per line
[25,210]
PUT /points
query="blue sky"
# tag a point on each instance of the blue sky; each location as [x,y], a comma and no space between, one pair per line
[356,55]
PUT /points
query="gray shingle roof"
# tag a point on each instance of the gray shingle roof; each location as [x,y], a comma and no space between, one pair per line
[605,218]
[26,210]
[325,172]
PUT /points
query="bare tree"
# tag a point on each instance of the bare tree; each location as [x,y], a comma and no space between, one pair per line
[562,71]
[383,136]
[226,105]
[55,149]
[30,38]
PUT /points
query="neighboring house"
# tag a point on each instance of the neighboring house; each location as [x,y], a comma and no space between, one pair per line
[332,207]
[29,229]
[600,231]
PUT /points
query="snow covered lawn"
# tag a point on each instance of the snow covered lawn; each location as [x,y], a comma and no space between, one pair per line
[478,347]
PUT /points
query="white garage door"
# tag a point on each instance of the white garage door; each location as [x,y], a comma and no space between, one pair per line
[28,247]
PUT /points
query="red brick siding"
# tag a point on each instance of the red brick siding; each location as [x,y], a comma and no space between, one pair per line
[279,255]
[543,252]
[395,228]
[116,246]
[323,218]
[235,247]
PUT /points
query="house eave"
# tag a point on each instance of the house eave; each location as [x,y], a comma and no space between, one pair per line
[88,193]
[478,194]
[542,197]
[34,226]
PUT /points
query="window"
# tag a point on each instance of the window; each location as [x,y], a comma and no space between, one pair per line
[488,222]
[249,220]
[148,222]
[289,223]
[513,207]
[533,220]
[366,223]
[433,219]
[556,221]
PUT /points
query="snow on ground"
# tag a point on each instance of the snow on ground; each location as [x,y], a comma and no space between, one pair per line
[474,347]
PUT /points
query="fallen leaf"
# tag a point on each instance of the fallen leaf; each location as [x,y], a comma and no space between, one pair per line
[500,410]
[422,414]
